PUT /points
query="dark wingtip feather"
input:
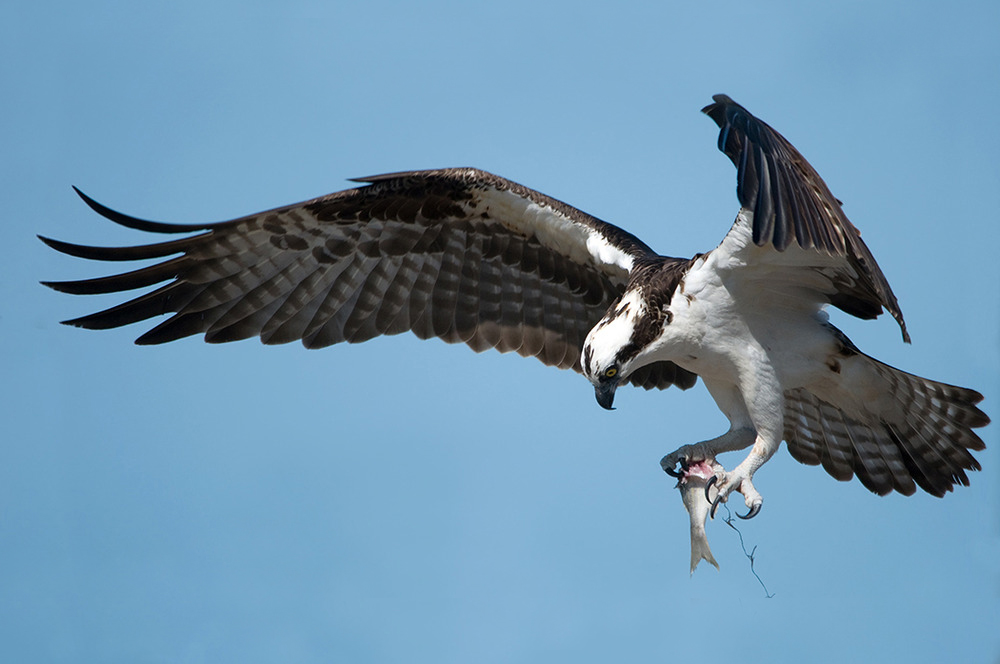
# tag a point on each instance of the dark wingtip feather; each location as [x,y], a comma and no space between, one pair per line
[719,111]
[165,299]
[172,329]
[64,287]
[117,283]
[715,110]
[85,322]
[381,177]
[116,254]
[76,250]
[368,179]
[464,172]
[58,245]
[138,224]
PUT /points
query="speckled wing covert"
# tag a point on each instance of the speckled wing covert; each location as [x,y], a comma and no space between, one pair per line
[458,254]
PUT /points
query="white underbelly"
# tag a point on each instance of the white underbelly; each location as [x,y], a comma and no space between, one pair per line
[721,341]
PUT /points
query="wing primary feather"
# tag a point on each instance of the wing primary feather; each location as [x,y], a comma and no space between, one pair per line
[743,177]
[790,200]
[141,224]
[177,327]
[135,253]
[781,237]
[794,212]
[724,138]
[763,213]
[117,283]
[165,299]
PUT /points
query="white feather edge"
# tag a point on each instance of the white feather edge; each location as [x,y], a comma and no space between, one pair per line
[557,231]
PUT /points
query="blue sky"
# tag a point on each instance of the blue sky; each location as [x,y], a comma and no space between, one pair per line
[411,501]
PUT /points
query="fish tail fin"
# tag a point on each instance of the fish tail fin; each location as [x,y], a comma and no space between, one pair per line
[700,551]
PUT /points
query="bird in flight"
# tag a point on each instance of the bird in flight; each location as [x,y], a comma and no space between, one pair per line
[470,257]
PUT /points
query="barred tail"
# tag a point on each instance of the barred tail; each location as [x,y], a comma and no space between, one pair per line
[894,430]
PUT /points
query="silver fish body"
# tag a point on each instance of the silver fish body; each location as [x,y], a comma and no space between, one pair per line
[692,486]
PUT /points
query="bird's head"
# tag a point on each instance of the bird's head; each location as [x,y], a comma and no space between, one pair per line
[612,348]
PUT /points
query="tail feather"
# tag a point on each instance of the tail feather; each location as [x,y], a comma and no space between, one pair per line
[894,430]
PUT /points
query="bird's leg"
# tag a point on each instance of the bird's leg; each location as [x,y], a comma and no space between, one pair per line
[755,406]
[740,478]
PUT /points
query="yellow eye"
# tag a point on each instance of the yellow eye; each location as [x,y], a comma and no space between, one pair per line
[611,373]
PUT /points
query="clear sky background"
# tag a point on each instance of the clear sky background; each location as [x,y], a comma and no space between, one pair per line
[408,501]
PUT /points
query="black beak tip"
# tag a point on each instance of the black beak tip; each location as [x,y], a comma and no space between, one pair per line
[605,397]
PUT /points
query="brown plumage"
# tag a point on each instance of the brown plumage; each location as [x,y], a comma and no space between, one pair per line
[454,254]
[473,258]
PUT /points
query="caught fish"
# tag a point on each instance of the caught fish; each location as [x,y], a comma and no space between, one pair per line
[694,478]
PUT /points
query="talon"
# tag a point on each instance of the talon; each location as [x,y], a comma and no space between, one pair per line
[754,511]
[715,506]
[708,485]
[682,462]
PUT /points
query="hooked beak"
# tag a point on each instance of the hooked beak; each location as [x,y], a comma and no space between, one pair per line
[605,394]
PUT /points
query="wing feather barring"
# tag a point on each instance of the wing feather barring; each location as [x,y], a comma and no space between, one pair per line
[473,258]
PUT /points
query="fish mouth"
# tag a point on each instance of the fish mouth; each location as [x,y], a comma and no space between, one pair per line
[703,470]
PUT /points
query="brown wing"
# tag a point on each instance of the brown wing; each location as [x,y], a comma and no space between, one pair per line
[457,254]
[791,204]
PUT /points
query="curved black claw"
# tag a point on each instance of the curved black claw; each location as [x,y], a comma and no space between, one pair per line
[682,462]
[708,485]
[754,511]
[715,506]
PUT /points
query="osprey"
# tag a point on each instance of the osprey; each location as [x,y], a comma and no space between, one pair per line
[471,257]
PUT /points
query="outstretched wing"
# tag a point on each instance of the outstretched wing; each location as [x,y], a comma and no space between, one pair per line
[458,254]
[795,219]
